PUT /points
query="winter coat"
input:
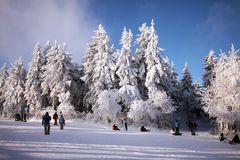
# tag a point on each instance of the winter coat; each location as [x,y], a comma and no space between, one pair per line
[46,119]
[176,124]
[62,120]
[55,116]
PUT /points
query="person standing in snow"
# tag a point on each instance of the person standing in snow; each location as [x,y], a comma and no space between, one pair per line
[177,127]
[46,122]
[61,122]
[55,117]
[125,124]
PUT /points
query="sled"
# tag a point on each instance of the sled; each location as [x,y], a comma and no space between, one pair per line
[146,130]
[177,134]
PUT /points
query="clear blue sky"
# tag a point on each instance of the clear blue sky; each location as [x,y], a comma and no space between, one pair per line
[187,29]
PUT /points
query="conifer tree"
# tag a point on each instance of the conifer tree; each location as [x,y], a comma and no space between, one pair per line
[154,70]
[125,69]
[45,95]
[99,67]
[210,61]
[58,79]
[142,41]
[3,76]
[33,83]
[187,90]
[14,93]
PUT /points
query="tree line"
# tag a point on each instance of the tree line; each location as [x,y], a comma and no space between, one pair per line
[112,83]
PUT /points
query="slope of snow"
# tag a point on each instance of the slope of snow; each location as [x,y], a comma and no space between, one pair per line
[87,140]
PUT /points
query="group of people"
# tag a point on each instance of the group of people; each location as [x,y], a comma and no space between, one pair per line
[22,115]
[46,121]
[142,128]
[124,123]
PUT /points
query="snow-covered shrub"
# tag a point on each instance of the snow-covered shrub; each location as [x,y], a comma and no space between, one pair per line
[158,105]
[131,93]
[107,107]
[68,110]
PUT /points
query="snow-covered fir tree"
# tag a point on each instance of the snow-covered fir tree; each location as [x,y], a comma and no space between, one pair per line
[158,68]
[157,72]
[189,102]
[98,67]
[222,98]
[14,92]
[57,78]
[210,61]
[198,92]
[156,76]
[142,42]
[33,83]
[47,50]
[3,76]
[126,71]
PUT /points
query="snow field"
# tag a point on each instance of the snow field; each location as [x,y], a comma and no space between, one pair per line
[88,140]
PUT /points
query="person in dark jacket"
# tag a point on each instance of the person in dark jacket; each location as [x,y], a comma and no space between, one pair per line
[125,124]
[55,117]
[221,137]
[61,122]
[46,122]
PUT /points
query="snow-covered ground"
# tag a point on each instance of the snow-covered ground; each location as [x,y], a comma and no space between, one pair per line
[88,140]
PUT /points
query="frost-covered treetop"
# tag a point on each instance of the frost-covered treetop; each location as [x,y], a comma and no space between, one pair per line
[126,39]
[125,70]
[102,38]
[211,56]
[187,79]
[186,82]
[18,69]
[152,54]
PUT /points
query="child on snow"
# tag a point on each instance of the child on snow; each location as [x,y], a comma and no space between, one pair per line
[177,126]
[61,122]
[55,117]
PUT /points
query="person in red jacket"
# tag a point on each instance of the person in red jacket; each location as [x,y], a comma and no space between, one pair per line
[55,117]
[114,127]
